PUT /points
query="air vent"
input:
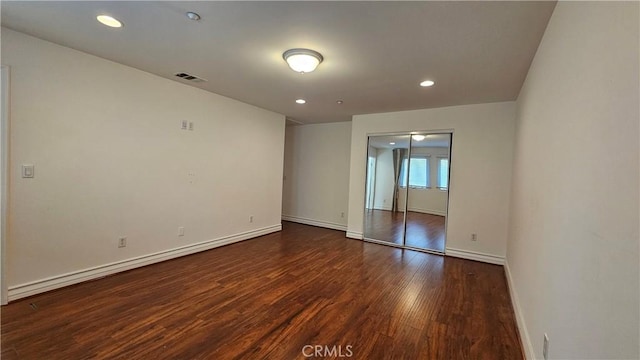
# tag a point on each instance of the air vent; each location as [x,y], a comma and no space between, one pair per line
[190,77]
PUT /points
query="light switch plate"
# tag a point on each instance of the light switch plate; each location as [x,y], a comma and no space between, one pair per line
[27,170]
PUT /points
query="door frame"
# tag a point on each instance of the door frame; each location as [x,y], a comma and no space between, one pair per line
[4,177]
[406,203]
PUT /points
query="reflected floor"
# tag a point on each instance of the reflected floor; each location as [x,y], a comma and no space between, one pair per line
[424,231]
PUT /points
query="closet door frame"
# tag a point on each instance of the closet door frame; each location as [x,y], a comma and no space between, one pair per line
[450,132]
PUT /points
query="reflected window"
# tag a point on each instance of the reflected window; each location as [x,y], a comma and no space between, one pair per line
[443,173]
[418,173]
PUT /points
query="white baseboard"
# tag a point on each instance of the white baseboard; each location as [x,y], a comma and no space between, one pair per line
[429,211]
[355,235]
[385,208]
[423,211]
[320,223]
[473,255]
[55,282]
[522,327]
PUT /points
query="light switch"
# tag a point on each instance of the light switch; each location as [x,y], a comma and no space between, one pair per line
[183,125]
[27,170]
[190,125]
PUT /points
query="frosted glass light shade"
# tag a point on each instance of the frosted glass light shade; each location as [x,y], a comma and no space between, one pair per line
[302,60]
[109,21]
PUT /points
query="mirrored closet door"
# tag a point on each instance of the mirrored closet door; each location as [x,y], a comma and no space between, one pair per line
[407,190]
[384,215]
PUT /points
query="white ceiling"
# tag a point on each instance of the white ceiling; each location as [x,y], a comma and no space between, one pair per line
[375,53]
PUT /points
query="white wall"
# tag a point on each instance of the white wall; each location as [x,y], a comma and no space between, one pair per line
[111,160]
[372,154]
[316,181]
[481,160]
[383,193]
[573,240]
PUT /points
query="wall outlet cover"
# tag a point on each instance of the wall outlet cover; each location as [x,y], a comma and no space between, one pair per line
[28,170]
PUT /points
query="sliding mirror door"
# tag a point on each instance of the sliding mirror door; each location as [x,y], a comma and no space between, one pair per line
[385,186]
[428,192]
[407,190]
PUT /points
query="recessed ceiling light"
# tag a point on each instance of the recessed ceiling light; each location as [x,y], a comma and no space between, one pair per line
[339,102]
[427,83]
[392,143]
[193,16]
[302,60]
[109,21]
[301,101]
[418,137]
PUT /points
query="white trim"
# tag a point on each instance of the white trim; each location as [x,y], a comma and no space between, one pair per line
[320,223]
[383,208]
[424,211]
[473,255]
[4,180]
[355,235]
[522,326]
[429,211]
[55,282]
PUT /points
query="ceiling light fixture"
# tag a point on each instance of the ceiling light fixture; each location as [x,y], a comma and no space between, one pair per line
[418,137]
[392,143]
[339,102]
[193,16]
[427,83]
[302,60]
[301,101]
[109,21]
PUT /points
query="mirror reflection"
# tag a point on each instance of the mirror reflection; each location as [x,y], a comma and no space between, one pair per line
[407,188]
[428,191]
[384,215]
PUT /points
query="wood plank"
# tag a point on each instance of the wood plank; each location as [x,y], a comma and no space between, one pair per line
[268,298]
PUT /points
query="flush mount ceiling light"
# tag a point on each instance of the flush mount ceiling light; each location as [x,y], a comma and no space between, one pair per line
[392,143]
[418,137]
[301,101]
[427,83]
[109,21]
[193,16]
[302,60]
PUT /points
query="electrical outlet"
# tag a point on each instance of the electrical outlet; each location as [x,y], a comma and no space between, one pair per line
[545,347]
[27,170]
[474,237]
[122,242]
[342,215]
[181,231]
[251,219]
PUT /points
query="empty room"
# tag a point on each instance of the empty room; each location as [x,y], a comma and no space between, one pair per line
[320,180]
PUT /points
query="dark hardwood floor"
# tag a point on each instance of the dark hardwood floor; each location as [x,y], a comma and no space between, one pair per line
[267,298]
[424,231]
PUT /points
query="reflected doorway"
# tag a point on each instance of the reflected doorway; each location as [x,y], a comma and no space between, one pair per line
[407,190]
